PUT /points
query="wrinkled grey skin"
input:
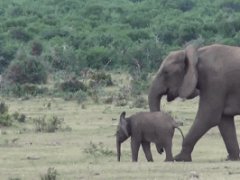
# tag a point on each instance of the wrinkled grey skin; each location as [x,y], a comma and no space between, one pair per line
[144,128]
[213,72]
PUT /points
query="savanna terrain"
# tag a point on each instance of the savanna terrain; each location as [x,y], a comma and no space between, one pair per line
[69,68]
[83,144]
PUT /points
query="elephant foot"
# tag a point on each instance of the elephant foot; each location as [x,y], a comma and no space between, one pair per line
[183,157]
[233,158]
[169,160]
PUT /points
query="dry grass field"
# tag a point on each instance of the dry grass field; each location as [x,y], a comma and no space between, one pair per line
[85,146]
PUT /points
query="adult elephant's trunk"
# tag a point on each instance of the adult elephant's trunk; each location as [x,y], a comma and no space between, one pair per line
[155,95]
[118,143]
[154,101]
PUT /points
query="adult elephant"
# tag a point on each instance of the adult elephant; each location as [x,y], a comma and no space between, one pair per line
[214,72]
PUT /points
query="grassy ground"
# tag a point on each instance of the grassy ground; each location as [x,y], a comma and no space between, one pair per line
[88,150]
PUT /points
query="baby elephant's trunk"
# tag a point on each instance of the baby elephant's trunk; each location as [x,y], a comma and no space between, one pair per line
[118,143]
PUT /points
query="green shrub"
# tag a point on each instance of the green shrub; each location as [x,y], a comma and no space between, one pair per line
[19,117]
[63,58]
[139,83]
[27,69]
[5,118]
[36,48]
[183,5]
[97,150]
[72,85]
[54,32]
[7,53]
[20,34]
[101,78]
[3,108]
[121,98]
[137,20]
[23,90]
[98,57]
[140,102]
[50,175]
[235,6]
[51,124]
[16,11]
[94,12]
[94,94]
[137,35]
[80,96]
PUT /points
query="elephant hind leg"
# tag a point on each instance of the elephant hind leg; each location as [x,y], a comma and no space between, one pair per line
[168,150]
[229,135]
[208,116]
[147,151]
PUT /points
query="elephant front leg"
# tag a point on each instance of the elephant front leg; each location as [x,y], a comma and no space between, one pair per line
[208,115]
[147,151]
[229,135]
[135,148]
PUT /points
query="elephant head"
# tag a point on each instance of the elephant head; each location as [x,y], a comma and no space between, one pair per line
[123,132]
[176,77]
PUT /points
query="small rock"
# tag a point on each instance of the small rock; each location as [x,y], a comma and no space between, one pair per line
[194,175]
[33,157]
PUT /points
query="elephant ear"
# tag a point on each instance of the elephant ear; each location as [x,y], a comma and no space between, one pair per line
[123,123]
[190,79]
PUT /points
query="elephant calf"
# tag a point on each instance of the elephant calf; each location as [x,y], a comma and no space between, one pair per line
[144,128]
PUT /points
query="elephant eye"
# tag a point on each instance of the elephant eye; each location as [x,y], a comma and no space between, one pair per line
[165,73]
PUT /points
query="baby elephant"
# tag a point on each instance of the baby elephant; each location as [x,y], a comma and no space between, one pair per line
[144,128]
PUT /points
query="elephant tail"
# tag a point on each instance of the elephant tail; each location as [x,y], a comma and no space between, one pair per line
[180,132]
[176,125]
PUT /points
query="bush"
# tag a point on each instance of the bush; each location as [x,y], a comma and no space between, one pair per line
[140,102]
[19,117]
[80,96]
[53,32]
[5,118]
[121,99]
[7,53]
[101,78]
[137,35]
[3,108]
[183,5]
[36,48]
[98,57]
[23,90]
[63,58]
[50,175]
[235,6]
[27,69]
[73,85]
[137,20]
[97,150]
[20,34]
[52,124]
[139,83]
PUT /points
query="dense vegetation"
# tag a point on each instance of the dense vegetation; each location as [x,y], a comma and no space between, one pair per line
[38,37]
